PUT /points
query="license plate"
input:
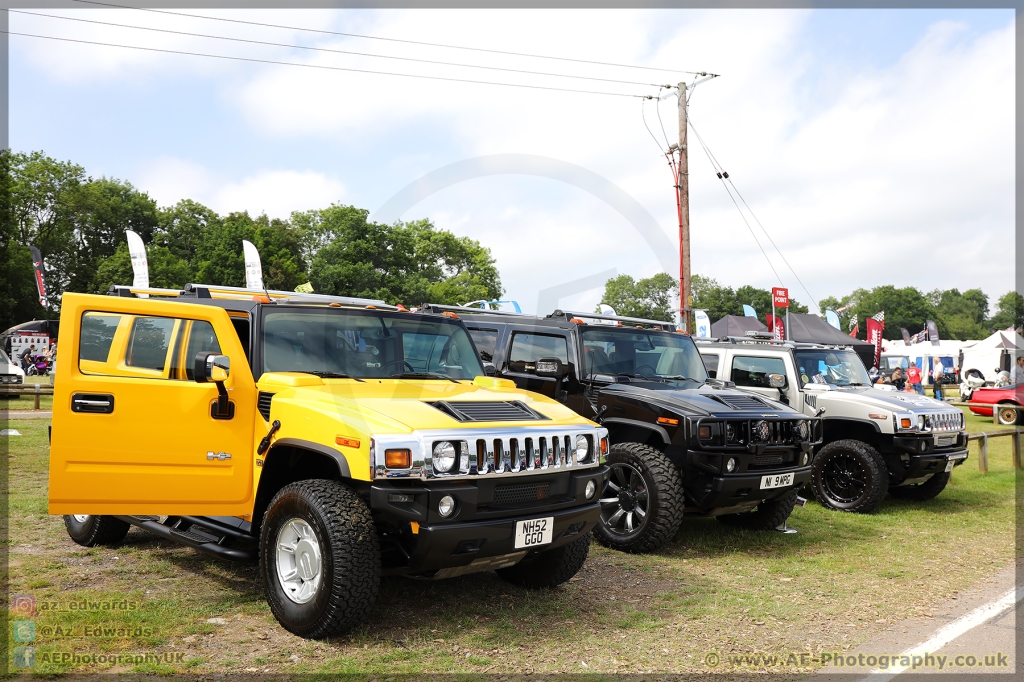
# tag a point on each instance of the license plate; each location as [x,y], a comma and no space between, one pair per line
[776,481]
[949,465]
[534,532]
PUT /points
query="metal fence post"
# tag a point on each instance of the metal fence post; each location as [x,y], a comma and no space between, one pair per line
[983,454]
[1016,449]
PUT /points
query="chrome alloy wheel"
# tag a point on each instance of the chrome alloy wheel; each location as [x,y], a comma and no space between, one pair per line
[625,500]
[298,560]
[81,518]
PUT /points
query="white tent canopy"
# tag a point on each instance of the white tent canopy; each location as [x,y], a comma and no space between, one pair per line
[986,355]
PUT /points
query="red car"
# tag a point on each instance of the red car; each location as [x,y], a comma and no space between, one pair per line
[1008,395]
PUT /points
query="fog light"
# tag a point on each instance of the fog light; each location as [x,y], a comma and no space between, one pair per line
[446,507]
[582,448]
[730,466]
[806,458]
[591,489]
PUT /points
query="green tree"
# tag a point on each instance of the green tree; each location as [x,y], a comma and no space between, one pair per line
[717,300]
[1009,311]
[219,256]
[652,298]
[761,301]
[411,263]
[183,228]
[903,307]
[166,270]
[961,316]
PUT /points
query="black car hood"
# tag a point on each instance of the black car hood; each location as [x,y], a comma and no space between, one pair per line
[699,400]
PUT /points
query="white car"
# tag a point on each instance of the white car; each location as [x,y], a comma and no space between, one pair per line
[10,372]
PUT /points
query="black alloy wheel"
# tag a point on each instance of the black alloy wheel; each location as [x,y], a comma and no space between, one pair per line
[625,502]
[849,475]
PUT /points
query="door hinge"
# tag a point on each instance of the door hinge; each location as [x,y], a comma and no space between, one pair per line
[218,455]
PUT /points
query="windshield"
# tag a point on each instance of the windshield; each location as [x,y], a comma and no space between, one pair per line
[367,344]
[4,358]
[839,367]
[641,352]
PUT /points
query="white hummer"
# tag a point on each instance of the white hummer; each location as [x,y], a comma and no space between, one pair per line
[875,441]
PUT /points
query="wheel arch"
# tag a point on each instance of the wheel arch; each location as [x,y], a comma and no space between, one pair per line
[622,430]
[290,460]
[851,429]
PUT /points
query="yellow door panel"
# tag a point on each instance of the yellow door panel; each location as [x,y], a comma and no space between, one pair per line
[133,435]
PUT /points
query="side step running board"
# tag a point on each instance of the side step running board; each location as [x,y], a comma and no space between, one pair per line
[209,537]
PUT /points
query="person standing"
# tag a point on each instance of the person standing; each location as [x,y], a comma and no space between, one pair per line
[914,379]
[898,380]
[937,378]
[1017,372]
[25,356]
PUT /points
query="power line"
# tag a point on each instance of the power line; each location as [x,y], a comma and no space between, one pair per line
[324,67]
[393,40]
[324,49]
[744,217]
[721,171]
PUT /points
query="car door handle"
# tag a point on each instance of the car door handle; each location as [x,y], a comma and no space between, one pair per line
[92,402]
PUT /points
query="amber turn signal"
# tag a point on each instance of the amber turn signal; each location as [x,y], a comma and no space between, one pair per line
[704,432]
[905,423]
[604,446]
[398,459]
[347,442]
[670,422]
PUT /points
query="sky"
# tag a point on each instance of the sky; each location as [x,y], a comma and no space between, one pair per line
[873,146]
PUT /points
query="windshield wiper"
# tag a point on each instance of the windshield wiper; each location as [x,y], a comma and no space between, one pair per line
[638,376]
[423,375]
[682,378]
[332,375]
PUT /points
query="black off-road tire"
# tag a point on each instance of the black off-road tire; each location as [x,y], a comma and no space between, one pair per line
[662,492]
[349,558]
[768,515]
[549,568]
[96,530]
[865,461]
[920,492]
[1006,416]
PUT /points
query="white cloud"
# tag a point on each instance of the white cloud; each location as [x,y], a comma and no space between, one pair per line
[858,170]
[274,192]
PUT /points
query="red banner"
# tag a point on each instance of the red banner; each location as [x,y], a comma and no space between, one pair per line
[875,337]
[776,325]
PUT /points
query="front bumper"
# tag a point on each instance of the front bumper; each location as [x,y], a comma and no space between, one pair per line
[708,493]
[446,550]
[926,454]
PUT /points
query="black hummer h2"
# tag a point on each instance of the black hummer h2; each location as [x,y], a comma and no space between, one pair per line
[681,443]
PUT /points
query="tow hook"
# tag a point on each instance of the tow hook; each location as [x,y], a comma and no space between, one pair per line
[265,443]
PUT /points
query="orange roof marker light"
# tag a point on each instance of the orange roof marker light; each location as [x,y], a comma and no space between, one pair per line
[450,314]
[577,320]
[371,307]
[402,308]
[334,304]
[262,299]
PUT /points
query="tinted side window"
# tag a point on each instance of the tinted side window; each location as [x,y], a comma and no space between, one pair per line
[710,362]
[149,341]
[750,371]
[486,340]
[96,336]
[528,348]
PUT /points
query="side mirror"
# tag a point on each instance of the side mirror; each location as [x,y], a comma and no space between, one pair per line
[489,369]
[212,367]
[777,380]
[550,367]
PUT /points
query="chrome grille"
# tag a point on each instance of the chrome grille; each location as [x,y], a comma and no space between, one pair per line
[946,421]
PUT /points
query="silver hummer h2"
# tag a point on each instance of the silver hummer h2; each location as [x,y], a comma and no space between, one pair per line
[875,441]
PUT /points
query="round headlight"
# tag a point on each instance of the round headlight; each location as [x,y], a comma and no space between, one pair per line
[582,448]
[803,429]
[730,466]
[446,507]
[591,489]
[761,431]
[444,457]
[730,432]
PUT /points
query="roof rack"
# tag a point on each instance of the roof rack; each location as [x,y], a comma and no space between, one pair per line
[441,308]
[773,342]
[661,324]
[242,293]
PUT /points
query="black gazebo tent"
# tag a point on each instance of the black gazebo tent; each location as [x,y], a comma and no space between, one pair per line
[736,325]
[813,329]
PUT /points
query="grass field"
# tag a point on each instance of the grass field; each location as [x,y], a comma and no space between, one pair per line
[839,580]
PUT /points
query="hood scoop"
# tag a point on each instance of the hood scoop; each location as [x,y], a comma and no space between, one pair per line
[740,402]
[487,411]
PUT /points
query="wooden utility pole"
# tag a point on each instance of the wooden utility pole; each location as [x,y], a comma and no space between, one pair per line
[683,187]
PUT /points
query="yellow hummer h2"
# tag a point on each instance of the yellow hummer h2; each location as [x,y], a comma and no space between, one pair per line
[331,439]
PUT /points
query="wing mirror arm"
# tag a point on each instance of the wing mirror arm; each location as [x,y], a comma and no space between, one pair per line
[216,368]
